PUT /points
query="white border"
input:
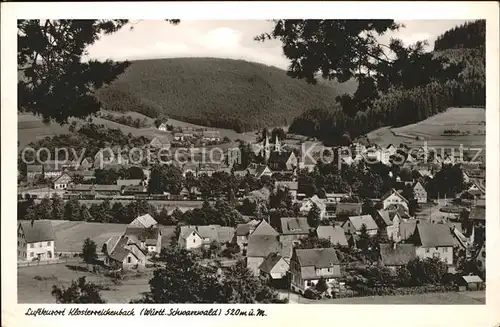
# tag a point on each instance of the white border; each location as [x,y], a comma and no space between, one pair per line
[408,315]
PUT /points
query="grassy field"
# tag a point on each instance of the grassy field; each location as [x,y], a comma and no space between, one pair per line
[31,128]
[30,290]
[70,235]
[431,130]
[478,297]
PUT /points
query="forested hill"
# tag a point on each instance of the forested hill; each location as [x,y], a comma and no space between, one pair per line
[224,93]
[462,44]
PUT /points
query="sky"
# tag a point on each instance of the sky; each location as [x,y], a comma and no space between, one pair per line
[226,39]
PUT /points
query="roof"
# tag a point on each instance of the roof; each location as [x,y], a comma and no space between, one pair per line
[318,258]
[478,213]
[111,243]
[407,228]
[294,225]
[335,234]
[353,209]
[212,232]
[80,187]
[144,221]
[386,217]
[128,182]
[391,192]
[260,170]
[271,260]
[242,230]
[434,235]
[287,184]
[262,245]
[472,279]
[142,234]
[211,133]
[367,220]
[397,255]
[224,234]
[263,228]
[40,231]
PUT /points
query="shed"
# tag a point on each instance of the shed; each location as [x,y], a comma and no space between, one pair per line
[470,283]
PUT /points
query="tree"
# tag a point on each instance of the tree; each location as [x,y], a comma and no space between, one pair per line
[364,239]
[72,210]
[45,209]
[89,251]
[165,178]
[56,83]
[57,207]
[313,242]
[314,216]
[80,291]
[321,286]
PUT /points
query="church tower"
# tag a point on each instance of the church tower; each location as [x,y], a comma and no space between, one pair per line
[277,145]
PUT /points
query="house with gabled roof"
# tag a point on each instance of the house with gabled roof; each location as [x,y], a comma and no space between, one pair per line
[294,228]
[123,253]
[144,221]
[259,248]
[193,237]
[354,224]
[419,192]
[308,266]
[163,127]
[433,241]
[274,267]
[291,186]
[393,197]
[243,231]
[307,205]
[161,141]
[282,161]
[35,240]
[62,182]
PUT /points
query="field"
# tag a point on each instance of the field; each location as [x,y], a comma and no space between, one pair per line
[30,290]
[70,235]
[31,128]
[465,120]
[477,297]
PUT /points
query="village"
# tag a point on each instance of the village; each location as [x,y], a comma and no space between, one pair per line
[320,224]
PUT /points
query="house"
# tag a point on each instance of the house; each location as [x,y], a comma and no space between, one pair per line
[243,231]
[354,224]
[179,136]
[161,142]
[274,267]
[308,266]
[259,248]
[35,240]
[348,209]
[423,173]
[53,169]
[147,239]
[394,197]
[470,283]
[62,182]
[282,161]
[86,164]
[335,234]
[123,253]
[478,215]
[401,231]
[294,228]
[211,136]
[144,221]
[396,255]
[33,172]
[335,198]
[308,204]
[162,127]
[391,150]
[291,186]
[192,237]
[433,240]
[476,189]
[420,192]
[259,171]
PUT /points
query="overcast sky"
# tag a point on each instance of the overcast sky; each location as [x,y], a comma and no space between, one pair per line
[225,39]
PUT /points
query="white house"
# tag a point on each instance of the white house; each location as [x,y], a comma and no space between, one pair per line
[35,240]
[420,192]
[354,224]
[62,182]
[123,252]
[162,127]
[394,197]
[433,240]
[308,204]
[308,266]
[274,267]
[189,239]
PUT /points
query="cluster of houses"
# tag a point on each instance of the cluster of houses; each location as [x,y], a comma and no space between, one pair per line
[190,134]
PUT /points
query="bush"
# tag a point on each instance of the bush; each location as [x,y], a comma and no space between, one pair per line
[311,294]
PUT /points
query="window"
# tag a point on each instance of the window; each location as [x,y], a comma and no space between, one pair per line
[445,249]
[32,245]
[129,259]
[194,241]
[48,243]
[426,250]
[31,254]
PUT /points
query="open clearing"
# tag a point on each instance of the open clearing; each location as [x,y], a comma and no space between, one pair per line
[70,235]
[430,130]
[477,297]
[30,290]
[31,128]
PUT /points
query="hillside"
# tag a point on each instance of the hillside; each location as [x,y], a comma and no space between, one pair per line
[223,93]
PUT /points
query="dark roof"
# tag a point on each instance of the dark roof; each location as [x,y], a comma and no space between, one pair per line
[294,225]
[352,209]
[142,234]
[40,231]
[478,213]
[397,255]
[271,260]
[434,235]
[242,230]
[319,258]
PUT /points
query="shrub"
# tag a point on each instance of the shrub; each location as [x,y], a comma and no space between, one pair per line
[311,294]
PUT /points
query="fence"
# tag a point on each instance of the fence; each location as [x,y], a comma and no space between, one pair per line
[24,264]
